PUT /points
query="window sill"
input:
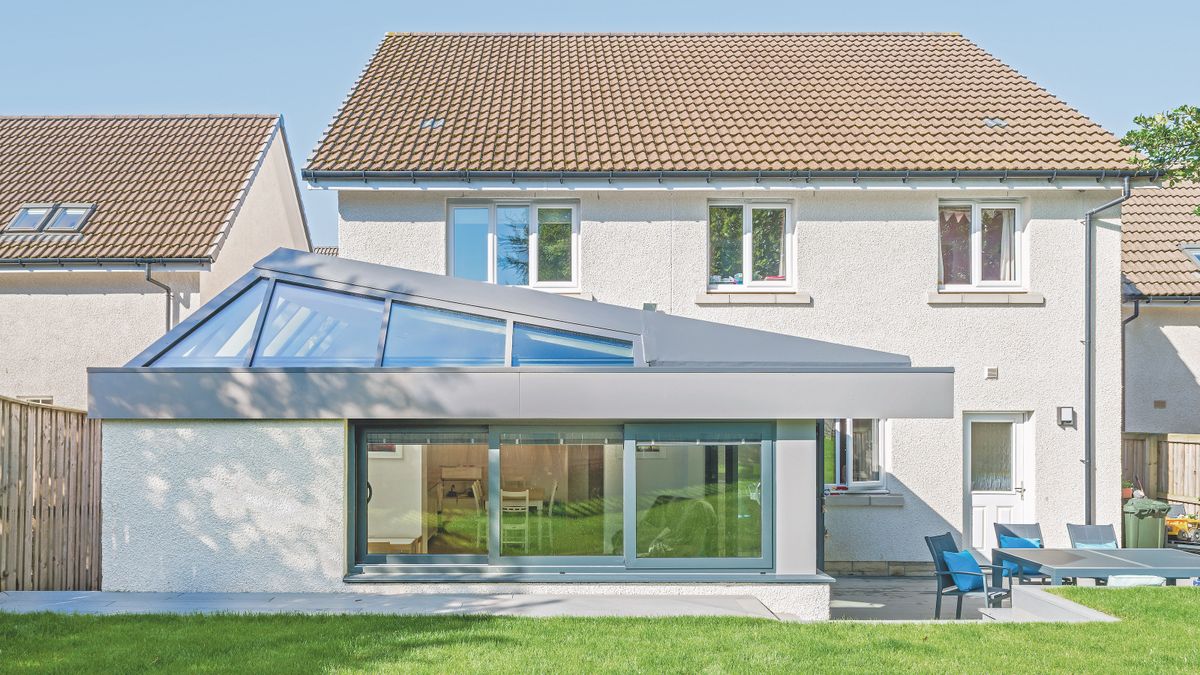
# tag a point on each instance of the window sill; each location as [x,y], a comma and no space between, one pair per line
[986,298]
[864,499]
[754,298]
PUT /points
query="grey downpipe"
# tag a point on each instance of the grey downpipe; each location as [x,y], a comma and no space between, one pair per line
[1089,353]
[166,288]
[1137,311]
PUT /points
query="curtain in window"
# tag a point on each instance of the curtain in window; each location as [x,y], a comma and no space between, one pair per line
[999,263]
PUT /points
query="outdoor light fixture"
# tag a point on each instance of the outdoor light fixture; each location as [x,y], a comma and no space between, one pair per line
[1066,416]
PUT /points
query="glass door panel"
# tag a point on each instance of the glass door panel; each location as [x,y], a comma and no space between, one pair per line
[426,493]
[561,493]
[699,500]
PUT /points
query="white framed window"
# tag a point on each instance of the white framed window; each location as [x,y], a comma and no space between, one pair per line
[1192,251]
[750,245]
[513,243]
[981,246]
[49,218]
[854,454]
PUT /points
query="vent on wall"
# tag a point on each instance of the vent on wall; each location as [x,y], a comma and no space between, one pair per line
[993,373]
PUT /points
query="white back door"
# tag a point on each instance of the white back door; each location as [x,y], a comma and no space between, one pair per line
[995,460]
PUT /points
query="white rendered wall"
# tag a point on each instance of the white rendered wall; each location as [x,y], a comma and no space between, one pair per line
[869,259]
[54,325]
[1162,363]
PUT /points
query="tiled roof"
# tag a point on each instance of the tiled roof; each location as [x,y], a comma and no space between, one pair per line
[326,250]
[1154,224]
[164,186]
[701,102]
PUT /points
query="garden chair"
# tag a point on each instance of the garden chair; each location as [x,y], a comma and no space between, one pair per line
[1031,531]
[512,503]
[944,543]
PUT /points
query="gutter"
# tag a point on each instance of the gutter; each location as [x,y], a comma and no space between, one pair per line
[166,288]
[467,176]
[1089,356]
[26,263]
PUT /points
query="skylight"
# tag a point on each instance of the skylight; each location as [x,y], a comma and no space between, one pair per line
[50,218]
[1193,252]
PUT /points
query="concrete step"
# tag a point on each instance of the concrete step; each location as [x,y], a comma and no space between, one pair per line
[1008,615]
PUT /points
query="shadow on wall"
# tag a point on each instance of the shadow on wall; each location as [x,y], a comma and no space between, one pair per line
[1162,363]
[884,533]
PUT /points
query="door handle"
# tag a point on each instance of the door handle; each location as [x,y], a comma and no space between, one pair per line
[1020,490]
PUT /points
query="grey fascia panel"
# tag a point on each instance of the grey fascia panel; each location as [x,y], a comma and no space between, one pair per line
[516,394]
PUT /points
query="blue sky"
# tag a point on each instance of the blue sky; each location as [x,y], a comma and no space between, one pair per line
[1111,60]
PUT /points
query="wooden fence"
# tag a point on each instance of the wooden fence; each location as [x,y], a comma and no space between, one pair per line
[1166,469]
[49,498]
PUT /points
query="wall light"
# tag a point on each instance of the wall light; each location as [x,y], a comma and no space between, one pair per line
[1066,416]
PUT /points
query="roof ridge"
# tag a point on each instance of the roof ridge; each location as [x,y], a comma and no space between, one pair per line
[663,34]
[147,116]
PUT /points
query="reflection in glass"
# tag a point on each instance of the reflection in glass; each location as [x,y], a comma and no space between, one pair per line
[554,244]
[725,244]
[767,243]
[224,338]
[512,245]
[426,492]
[701,500]
[954,229]
[561,493]
[537,346]
[866,450]
[991,456]
[68,218]
[426,336]
[309,326]
[470,239]
[28,219]
[999,234]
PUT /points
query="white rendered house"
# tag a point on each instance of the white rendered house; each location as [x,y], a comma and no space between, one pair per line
[113,228]
[907,202]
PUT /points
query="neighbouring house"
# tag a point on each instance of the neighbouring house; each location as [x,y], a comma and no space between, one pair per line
[672,313]
[1161,267]
[113,228]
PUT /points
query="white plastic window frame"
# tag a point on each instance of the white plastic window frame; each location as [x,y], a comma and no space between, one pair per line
[845,443]
[1020,248]
[570,286]
[41,224]
[61,209]
[749,285]
[1192,251]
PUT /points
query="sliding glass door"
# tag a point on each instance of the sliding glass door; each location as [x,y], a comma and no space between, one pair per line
[641,496]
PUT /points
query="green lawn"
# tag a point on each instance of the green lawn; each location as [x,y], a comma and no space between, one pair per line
[1159,634]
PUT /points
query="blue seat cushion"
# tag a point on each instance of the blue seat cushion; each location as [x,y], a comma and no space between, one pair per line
[1106,544]
[963,561]
[1010,568]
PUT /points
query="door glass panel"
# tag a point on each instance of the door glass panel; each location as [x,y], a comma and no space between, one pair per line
[224,338]
[554,245]
[999,245]
[538,346]
[310,326]
[991,456]
[470,237]
[512,245]
[426,492]
[725,245]
[767,241]
[425,336]
[954,230]
[561,494]
[699,500]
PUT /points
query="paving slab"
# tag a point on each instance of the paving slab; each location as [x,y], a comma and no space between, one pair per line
[507,604]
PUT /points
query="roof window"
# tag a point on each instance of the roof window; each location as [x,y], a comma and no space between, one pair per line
[994,122]
[433,123]
[1193,252]
[50,218]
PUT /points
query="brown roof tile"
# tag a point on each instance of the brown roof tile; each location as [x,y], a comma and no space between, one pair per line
[700,102]
[163,186]
[1155,223]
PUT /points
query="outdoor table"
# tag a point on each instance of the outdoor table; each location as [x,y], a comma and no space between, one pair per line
[1067,563]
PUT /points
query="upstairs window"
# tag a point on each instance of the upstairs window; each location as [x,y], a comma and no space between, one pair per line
[749,246]
[515,244]
[30,218]
[853,454]
[50,218]
[980,246]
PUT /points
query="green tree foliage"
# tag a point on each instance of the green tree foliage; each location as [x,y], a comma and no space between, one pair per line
[725,240]
[1169,142]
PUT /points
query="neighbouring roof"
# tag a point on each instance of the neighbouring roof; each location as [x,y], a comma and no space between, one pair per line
[326,250]
[1155,224]
[164,186]
[703,102]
